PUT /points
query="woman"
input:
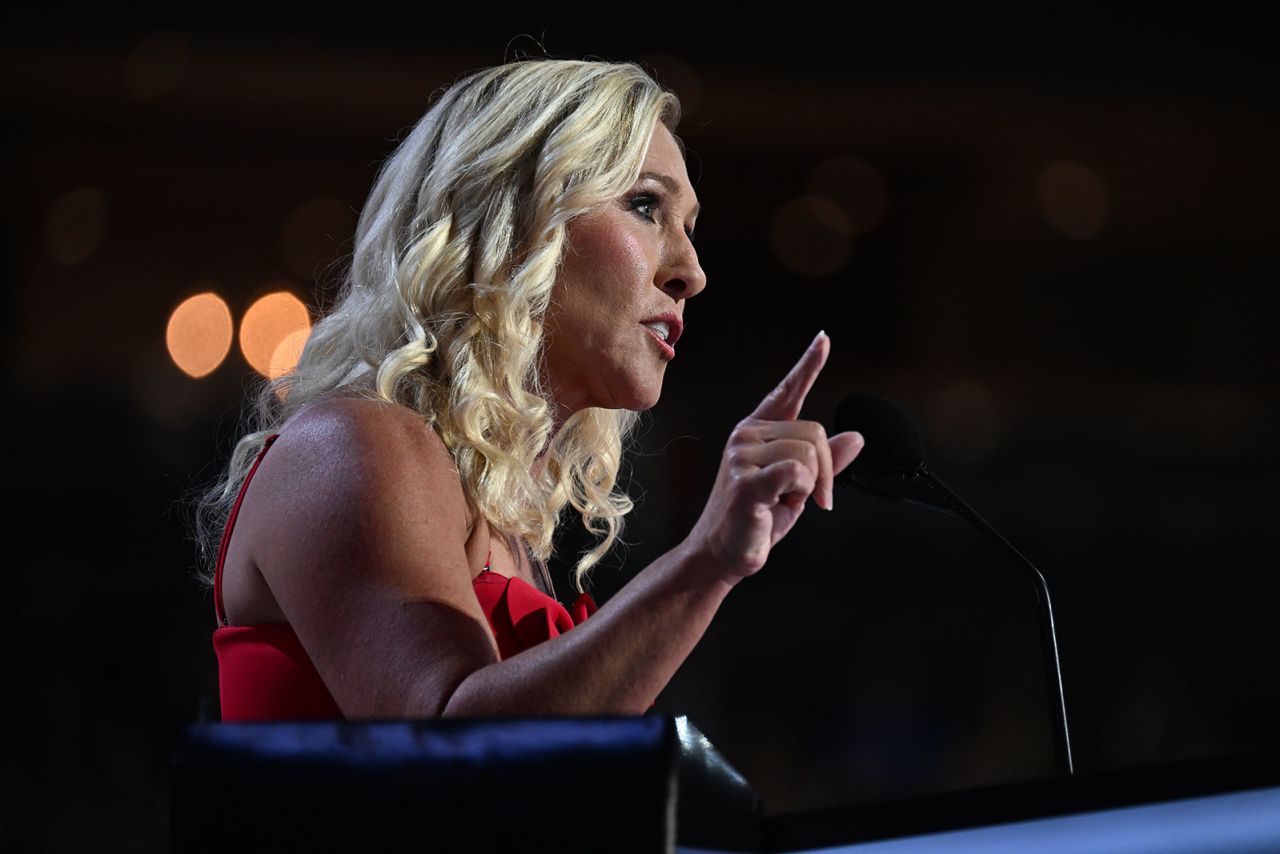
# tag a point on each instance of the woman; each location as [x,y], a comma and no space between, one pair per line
[518,285]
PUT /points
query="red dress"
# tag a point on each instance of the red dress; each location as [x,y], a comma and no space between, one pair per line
[265,674]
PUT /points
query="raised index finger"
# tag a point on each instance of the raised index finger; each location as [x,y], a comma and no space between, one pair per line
[785,401]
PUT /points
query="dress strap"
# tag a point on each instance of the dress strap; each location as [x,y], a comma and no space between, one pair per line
[218,606]
[544,577]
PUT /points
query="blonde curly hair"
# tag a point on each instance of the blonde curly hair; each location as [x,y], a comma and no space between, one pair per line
[451,275]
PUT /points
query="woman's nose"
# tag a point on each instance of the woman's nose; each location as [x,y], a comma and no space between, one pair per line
[683,277]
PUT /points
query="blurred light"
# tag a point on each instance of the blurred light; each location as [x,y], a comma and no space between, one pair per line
[75,225]
[678,76]
[811,237]
[854,186]
[312,234]
[1073,199]
[266,325]
[199,334]
[287,352]
[157,63]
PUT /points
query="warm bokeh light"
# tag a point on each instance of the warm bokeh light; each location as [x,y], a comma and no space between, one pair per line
[157,63]
[1073,199]
[75,225]
[286,354]
[313,234]
[267,324]
[854,186]
[811,237]
[199,334]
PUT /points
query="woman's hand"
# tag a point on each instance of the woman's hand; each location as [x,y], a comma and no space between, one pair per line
[771,464]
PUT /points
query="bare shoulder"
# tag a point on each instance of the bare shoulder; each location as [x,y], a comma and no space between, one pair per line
[361,535]
[378,433]
[359,446]
[358,469]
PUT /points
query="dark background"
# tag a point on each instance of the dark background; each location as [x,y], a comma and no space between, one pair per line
[1087,348]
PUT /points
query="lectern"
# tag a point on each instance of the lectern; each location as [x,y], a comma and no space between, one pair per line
[655,784]
[627,784]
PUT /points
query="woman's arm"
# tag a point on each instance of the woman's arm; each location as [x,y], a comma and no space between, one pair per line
[626,653]
[366,556]
[616,662]
[358,525]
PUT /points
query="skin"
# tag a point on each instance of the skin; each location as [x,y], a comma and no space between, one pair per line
[630,261]
[355,530]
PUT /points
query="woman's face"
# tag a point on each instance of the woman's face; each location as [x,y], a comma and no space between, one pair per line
[628,269]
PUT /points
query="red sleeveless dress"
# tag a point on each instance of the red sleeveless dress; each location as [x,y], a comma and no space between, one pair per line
[265,674]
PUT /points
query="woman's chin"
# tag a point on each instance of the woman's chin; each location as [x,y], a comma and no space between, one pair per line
[637,399]
[647,398]
[625,391]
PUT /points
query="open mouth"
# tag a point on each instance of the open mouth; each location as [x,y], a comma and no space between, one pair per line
[658,332]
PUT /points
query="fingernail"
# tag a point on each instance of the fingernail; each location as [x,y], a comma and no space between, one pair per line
[821,334]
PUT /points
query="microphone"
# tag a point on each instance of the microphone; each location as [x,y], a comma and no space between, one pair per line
[892,466]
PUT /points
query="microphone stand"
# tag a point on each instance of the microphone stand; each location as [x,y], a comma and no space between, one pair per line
[1049,645]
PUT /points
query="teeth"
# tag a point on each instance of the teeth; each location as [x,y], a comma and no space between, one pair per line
[663,330]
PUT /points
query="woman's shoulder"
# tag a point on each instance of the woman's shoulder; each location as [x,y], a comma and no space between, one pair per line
[361,449]
[362,424]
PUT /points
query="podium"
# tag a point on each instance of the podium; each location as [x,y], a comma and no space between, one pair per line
[626,784]
[655,784]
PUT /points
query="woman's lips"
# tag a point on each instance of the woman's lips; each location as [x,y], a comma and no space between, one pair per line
[668,351]
[675,325]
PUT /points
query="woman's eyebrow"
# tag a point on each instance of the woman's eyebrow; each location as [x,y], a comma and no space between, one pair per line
[671,186]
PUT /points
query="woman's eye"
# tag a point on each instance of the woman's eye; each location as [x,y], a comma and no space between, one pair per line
[646,205]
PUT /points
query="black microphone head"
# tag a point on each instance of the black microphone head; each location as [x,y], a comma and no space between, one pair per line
[893,442]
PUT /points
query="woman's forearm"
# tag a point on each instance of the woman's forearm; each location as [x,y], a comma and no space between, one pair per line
[614,663]
[617,661]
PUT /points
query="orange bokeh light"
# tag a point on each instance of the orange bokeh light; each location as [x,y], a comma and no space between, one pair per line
[287,352]
[199,334]
[268,325]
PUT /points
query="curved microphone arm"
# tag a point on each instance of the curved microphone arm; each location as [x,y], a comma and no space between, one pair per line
[893,466]
[1049,637]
